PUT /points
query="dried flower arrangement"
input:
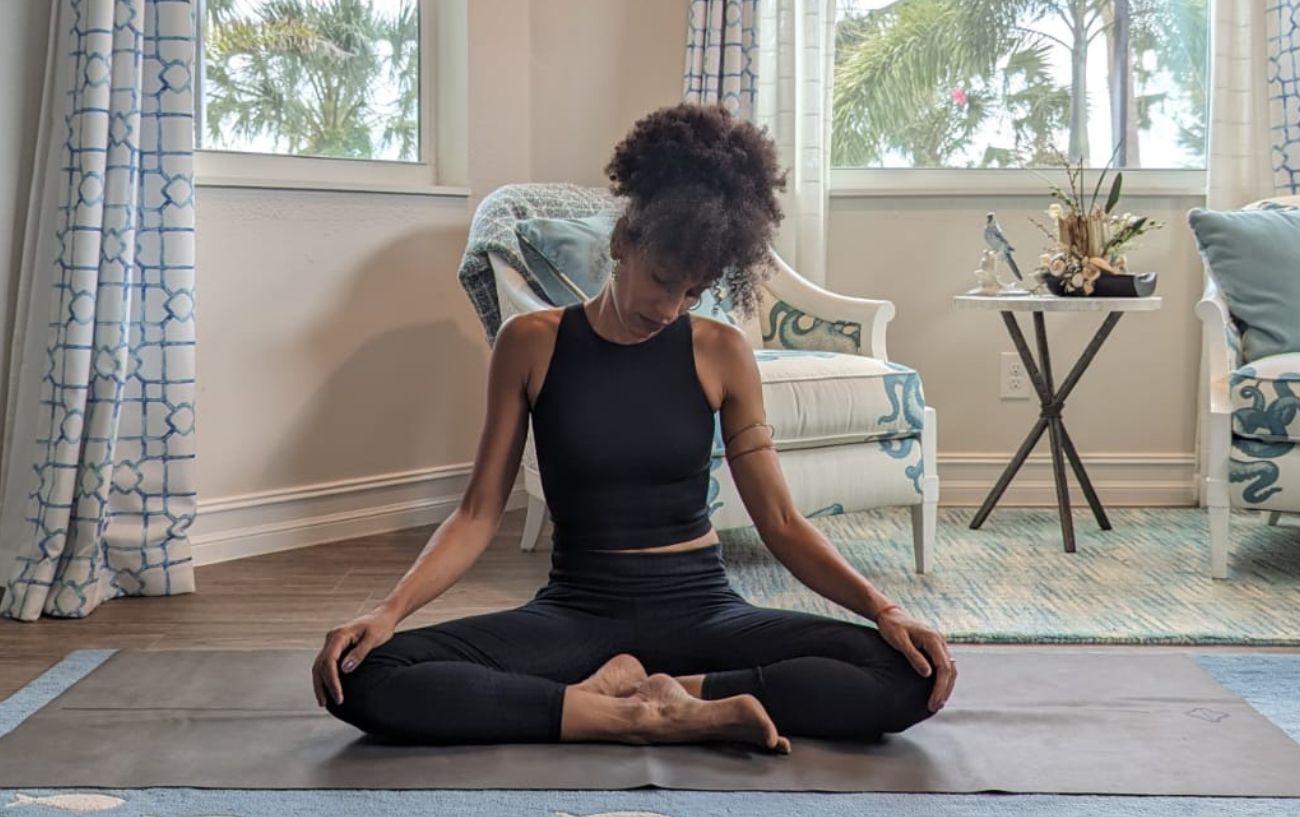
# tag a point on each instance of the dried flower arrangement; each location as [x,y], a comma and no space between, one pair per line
[1089,239]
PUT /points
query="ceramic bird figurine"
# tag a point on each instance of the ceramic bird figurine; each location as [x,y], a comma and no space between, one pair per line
[995,239]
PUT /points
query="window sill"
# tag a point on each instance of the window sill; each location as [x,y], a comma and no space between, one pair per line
[448,191]
[909,182]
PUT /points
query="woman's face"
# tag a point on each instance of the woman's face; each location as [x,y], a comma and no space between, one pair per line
[652,295]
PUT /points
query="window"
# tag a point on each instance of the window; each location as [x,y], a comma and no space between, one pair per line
[319,93]
[989,84]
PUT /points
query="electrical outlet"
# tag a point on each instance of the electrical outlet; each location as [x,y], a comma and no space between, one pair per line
[1015,382]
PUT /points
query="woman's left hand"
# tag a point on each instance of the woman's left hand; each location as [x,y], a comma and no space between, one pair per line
[910,637]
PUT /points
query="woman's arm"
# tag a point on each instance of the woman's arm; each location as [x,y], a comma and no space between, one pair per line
[818,564]
[756,471]
[448,555]
[466,533]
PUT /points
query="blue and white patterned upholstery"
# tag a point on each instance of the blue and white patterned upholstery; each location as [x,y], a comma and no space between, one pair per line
[851,427]
[1252,434]
[1264,468]
[1265,403]
[857,398]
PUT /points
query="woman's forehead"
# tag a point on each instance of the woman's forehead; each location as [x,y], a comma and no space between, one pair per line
[677,273]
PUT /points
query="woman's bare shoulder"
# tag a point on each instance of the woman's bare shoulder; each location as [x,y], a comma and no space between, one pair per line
[712,336]
[537,332]
[537,324]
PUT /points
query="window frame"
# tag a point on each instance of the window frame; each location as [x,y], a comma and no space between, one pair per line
[440,168]
[955,181]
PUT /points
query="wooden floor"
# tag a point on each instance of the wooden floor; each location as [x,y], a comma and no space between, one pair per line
[290,599]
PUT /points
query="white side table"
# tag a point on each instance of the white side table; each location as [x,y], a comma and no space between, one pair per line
[1053,399]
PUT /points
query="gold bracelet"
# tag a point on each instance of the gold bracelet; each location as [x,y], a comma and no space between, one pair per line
[746,428]
[734,457]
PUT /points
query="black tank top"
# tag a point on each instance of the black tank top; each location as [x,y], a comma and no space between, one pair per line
[623,435]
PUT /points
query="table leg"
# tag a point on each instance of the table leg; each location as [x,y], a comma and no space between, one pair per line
[1062,487]
[1057,429]
[1093,500]
[1050,419]
[1009,472]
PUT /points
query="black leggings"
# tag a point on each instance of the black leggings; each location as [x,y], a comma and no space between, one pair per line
[500,677]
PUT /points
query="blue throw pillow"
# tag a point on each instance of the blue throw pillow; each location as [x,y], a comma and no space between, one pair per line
[567,257]
[1254,257]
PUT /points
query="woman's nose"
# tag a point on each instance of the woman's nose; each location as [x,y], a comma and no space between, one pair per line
[678,308]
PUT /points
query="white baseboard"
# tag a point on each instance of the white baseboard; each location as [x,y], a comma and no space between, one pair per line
[254,524]
[1147,480]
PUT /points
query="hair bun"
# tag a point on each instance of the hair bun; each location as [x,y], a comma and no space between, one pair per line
[703,189]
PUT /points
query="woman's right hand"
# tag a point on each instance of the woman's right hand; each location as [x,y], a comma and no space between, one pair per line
[365,632]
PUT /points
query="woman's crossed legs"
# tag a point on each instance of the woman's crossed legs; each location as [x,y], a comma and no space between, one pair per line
[516,675]
[816,676]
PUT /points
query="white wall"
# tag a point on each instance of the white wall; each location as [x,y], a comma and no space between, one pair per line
[919,252]
[335,339]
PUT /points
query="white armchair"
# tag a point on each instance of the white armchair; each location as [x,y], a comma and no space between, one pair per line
[1251,428]
[852,430]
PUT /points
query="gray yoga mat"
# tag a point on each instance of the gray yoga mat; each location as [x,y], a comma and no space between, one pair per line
[1032,720]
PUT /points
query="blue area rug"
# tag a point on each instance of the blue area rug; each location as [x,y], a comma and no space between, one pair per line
[1269,682]
[1146,581]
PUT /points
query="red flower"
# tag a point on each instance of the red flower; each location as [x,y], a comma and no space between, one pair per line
[959,96]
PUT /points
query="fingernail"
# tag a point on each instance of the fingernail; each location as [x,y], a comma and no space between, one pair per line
[347,666]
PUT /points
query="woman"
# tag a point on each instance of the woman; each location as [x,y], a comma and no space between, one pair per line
[637,636]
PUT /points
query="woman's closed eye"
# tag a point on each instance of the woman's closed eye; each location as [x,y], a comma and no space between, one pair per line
[696,295]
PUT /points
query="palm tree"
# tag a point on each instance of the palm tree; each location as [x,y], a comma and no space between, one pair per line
[898,72]
[307,74]
[897,66]
[1179,33]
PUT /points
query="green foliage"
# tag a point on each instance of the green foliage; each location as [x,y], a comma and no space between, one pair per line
[918,78]
[1179,34]
[1115,187]
[897,68]
[308,74]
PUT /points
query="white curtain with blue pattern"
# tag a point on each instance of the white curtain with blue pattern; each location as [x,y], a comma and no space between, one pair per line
[97,477]
[1254,115]
[772,62]
[721,43]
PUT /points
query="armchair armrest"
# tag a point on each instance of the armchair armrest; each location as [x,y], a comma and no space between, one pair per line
[1222,345]
[864,317]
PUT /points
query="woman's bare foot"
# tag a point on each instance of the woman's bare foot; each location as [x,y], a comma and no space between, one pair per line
[618,677]
[673,715]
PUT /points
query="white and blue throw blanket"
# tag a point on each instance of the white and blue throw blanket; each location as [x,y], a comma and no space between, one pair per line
[493,229]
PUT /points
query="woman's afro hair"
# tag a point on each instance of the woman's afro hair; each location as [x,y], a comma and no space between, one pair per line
[701,187]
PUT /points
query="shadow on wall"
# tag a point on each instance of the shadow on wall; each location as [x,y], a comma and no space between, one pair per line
[407,369]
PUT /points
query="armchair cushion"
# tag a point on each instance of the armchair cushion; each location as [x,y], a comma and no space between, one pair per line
[816,399]
[1252,255]
[1266,399]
